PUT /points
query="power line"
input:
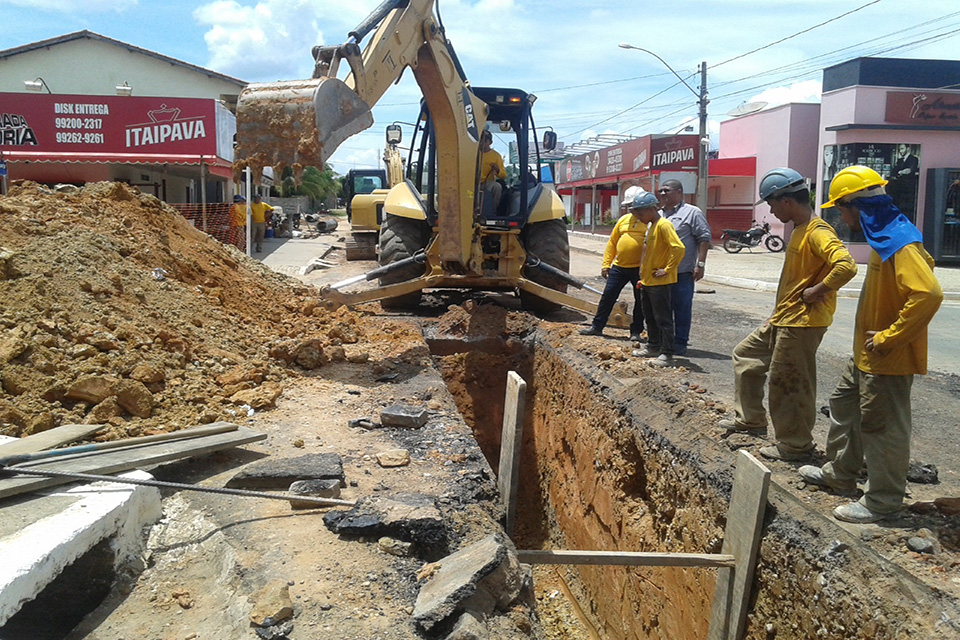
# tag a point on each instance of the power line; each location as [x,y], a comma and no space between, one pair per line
[807,30]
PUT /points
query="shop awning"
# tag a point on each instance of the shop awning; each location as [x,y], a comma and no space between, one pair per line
[733,167]
[215,164]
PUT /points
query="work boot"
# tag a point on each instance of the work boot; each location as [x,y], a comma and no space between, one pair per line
[733,425]
[812,474]
[646,352]
[663,360]
[773,452]
[591,331]
[858,514]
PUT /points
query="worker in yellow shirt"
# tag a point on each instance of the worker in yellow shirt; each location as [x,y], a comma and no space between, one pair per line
[785,346]
[870,418]
[238,221]
[620,265]
[258,220]
[662,253]
[491,168]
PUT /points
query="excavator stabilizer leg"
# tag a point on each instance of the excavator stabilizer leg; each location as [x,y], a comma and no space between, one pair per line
[296,123]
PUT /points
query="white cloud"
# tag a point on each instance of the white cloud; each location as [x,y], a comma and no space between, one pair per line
[72,6]
[806,91]
[268,41]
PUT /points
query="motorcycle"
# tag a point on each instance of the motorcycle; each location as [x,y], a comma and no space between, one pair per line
[734,240]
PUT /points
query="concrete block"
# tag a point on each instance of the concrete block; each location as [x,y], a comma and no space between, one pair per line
[36,554]
[404,416]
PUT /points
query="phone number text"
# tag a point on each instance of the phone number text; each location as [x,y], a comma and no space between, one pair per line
[79,138]
[78,123]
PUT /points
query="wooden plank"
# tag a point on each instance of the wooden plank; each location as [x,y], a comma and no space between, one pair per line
[182,434]
[741,539]
[629,558]
[511,437]
[138,457]
[48,439]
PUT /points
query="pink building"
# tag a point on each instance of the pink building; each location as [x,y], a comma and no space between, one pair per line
[901,118]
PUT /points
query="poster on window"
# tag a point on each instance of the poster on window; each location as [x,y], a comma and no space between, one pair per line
[899,164]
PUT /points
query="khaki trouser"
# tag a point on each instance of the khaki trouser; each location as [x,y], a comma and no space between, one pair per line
[870,421]
[789,354]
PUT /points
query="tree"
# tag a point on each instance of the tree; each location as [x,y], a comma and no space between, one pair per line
[316,184]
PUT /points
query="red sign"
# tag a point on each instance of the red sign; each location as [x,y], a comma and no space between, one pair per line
[923,108]
[674,153]
[75,125]
[649,153]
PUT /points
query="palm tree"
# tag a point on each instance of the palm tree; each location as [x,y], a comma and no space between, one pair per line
[316,184]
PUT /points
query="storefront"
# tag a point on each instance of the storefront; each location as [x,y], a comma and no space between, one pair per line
[592,184]
[901,118]
[163,146]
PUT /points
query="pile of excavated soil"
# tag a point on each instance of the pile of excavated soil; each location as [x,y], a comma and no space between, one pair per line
[116,311]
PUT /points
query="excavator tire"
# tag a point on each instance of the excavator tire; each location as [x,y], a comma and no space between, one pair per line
[549,242]
[400,238]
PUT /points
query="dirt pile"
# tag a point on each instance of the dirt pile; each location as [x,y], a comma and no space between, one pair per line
[117,311]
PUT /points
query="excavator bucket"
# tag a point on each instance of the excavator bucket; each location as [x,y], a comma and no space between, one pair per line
[296,123]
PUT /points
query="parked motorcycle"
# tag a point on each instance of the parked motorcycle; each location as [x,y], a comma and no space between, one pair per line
[734,240]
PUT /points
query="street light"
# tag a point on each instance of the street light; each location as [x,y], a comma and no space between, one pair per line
[704,141]
[36,85]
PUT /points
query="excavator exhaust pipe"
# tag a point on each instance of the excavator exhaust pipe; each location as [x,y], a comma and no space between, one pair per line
[295,123]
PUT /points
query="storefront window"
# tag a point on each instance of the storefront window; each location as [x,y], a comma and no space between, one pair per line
[899,164]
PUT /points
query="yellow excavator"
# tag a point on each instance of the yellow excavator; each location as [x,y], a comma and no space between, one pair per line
[365,191]
[438,229]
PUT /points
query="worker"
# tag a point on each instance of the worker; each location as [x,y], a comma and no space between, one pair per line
[620,265]
[785,346]
[662,253]
[258,220]
[870,417]
[491,169]
[238,220]
[694,232]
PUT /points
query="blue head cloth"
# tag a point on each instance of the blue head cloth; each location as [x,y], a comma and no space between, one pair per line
[887,230]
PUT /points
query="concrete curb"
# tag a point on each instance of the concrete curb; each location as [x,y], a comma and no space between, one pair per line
[747,283]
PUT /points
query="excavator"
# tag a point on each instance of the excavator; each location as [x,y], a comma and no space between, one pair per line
[365,199]
[438,230]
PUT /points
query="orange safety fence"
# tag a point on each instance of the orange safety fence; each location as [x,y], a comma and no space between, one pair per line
[218,221]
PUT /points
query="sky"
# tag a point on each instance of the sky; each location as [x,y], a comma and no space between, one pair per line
[566,52]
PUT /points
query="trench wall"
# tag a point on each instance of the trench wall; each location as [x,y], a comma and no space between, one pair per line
[611,464]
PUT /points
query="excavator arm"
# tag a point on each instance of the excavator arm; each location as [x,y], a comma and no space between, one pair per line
[301,123]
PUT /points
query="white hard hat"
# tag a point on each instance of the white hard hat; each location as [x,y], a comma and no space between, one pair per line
[630,194]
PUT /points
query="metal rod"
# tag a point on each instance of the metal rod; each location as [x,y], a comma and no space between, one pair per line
[87,477]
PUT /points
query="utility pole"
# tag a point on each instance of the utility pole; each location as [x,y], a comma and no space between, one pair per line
[703,142]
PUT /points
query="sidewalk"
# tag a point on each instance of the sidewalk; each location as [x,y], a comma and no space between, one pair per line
[760,269]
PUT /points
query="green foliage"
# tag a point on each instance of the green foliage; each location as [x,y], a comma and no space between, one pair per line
[317,184]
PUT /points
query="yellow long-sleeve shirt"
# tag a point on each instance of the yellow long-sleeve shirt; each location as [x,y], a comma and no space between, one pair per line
[486,172]
[663,251]
[625,246]
[814,255]
[898,300]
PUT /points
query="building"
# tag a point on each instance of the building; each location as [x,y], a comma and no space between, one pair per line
[83,107]
[902,118]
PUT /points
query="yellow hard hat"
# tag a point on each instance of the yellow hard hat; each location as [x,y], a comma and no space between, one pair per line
[851,180]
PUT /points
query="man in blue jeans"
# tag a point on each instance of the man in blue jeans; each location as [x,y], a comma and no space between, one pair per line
[694,232]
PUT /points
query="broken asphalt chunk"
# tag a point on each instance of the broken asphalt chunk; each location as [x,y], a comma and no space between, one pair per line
[281,473]
[411,517]
[478,579]
[404,416]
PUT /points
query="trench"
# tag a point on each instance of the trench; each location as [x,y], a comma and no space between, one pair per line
[591,479]
[62,604]
[613,463]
